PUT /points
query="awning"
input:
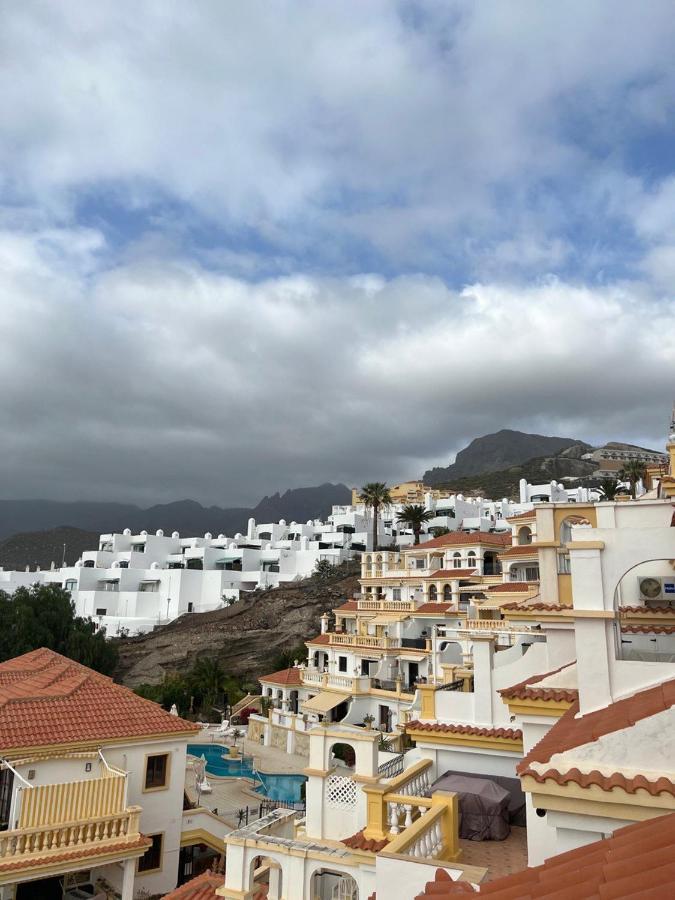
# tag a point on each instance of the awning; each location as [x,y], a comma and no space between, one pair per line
[110,578]
[150,580]
[414,658]
[324,702]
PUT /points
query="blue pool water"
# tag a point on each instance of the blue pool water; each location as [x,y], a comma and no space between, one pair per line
[276,787]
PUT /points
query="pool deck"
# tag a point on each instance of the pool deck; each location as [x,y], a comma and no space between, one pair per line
[232,794]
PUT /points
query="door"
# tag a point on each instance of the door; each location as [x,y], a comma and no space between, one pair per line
[384,718]
[6,784]
[413,672]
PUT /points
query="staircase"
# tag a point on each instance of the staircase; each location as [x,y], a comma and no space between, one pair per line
[249,700]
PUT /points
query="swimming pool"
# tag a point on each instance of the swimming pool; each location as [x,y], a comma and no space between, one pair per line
[287,788]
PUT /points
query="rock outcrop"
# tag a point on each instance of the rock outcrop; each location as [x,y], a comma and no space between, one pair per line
[246,637]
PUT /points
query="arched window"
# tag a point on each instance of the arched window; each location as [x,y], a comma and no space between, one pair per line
[471,560]
[457,560]
[525,535]
[447,593]
[433,593]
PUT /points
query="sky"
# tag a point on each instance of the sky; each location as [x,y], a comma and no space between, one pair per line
[252,246]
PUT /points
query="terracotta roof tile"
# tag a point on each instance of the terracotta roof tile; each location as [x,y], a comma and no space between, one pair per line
[517,587]
[451,573]
[349,606]
[55,700]
[520,550]
[359,842]
[290,676]
[636,862]
[440,608]
[458,538]
[16,864]
[648,610]
[524,606]
[514,734]
[203,887]
[529,514]
[527,689]
[570,732]
[319,639]
[648,629]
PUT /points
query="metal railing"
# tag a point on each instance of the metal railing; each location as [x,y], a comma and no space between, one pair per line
[391,767]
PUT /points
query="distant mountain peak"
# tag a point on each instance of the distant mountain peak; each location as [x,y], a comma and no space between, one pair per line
[497,451]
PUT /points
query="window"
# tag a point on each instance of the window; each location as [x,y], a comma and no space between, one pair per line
[152,858]
[342,663]
[191,607]
[148,586]
[532,573]
[456,560]
[112,586]
[101,611]
[70,584]
[396,594]
[138,548]
[418,563]
[156,770]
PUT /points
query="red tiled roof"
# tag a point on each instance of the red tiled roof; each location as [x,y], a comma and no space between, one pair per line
[570,732]
[359,842]
[456,538]
[319,639]
[440,608]
[636,863]
[47,699]
[291,676]
[648,629]
[529,514]
[648,610]
[514,734]
[349,606]
[520,550]
[508,587]
[540,607]
[29,861]
[452,573]
[523,691]
[203,887]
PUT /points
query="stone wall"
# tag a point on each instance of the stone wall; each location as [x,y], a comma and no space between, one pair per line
[255,731]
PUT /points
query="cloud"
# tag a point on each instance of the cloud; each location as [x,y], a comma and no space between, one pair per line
[154,381]
[250,246]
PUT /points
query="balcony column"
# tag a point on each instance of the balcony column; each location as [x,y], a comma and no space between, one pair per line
[129,868]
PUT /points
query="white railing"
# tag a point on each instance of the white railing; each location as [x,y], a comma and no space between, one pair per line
[354,684]
[364,640]
[425,839]
[387,605]
[70,836]
[492,625]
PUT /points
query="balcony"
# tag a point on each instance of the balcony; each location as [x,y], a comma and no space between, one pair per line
[33,848]
[364,640]
[359,684]
[386,605]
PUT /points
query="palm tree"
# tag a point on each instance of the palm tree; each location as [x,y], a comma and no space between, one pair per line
[374,495]
[633,470]
[207,677]
[414,516]
[609,487]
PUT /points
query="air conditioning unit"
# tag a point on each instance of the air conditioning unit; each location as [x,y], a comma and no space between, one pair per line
[657,590]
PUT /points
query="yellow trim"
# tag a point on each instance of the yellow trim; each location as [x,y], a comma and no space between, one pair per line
[45,869]
[161,855]
[595,801]
[456,738]
[201,836]
[167,774]
[585,545]
[537,707]
[46,749]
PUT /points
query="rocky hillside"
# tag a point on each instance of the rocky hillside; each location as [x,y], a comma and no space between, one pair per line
[245,637]
[41,548]
[496,452]
[566,466]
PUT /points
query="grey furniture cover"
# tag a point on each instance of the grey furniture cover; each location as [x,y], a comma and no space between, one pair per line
[483,807]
